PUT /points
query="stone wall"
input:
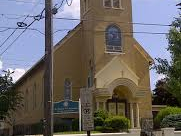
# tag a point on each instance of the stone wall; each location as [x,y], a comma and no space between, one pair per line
[167,132]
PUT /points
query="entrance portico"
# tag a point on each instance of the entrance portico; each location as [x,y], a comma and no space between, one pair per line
[119,98]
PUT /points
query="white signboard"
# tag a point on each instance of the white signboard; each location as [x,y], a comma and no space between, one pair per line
[87,110]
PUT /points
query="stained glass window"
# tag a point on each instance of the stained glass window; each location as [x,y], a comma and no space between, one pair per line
[113,39]
[67,89]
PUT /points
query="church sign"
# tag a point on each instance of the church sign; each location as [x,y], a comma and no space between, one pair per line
[66,107]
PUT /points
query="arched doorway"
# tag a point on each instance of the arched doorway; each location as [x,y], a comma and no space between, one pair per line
[119,98]
[119,103]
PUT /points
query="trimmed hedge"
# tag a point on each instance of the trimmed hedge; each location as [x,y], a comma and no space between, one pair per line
[98,121]
[117,123]
[173,121]
[101,113]
[61,127]
[165,112]
[75,124]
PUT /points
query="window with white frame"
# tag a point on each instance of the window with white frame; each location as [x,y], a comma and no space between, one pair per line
[113,4]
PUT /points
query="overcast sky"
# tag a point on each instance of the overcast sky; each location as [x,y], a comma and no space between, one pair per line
[29,48]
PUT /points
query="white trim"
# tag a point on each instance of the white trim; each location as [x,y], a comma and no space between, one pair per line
[64,101]
[122,42]
[66,113]
[112,5]
[115,53]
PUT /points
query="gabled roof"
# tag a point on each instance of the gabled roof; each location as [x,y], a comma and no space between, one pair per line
[41,61]
[143,52]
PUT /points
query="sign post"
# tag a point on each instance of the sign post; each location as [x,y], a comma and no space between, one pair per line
[87,110]
[80,113]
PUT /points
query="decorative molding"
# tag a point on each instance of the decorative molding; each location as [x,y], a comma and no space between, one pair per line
[124,82]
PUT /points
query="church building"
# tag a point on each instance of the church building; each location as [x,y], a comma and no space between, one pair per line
[99,53]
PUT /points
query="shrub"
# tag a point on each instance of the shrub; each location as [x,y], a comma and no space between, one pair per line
[101,113]
[172,121]
[75,124]
[117,123]
[105,129]
[98,121]
[99,128]
[165,112]
[61,127]
[37,128]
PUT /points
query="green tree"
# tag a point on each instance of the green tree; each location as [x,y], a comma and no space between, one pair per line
[161,96]
[10,100]
[172,69]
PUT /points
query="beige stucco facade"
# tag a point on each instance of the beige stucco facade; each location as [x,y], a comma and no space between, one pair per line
[124,73]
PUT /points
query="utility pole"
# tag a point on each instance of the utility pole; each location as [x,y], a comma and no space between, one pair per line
[48,80]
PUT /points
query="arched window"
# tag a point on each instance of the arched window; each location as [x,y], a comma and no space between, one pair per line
[34,96]
[26,100]
[67,89]
[113,39]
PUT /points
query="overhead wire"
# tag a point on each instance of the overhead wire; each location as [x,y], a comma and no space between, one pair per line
[16,39]
[18,26]
[77,19]
[27,2]
[124,32]
[69,4]
[18,60]
[17,16]
[4,30]
[10,28]
[21,33]
[15,64]
[134,23]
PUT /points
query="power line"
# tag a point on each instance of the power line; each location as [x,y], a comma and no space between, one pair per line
[17,16]
[21,22]
[16,38]
[77,19]
[134,23]
[10,28]
[15,64]
[26,2]
[137,32]
[69,4]
[18,60]
[4,30]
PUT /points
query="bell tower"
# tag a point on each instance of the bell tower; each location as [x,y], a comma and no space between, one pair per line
[106,10]
[106,26]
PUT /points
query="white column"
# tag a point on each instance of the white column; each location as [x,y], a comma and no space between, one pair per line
[80,117]
[104,105]
[132,115]
[97,105]
[137,115]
